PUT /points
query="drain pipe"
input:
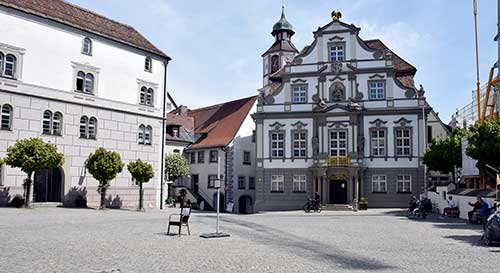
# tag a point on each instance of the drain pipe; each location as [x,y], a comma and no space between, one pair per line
[162,168]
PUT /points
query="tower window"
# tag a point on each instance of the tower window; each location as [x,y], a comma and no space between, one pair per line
[275,63]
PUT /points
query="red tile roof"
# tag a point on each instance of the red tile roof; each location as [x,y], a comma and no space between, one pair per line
[220,122]
[75,16]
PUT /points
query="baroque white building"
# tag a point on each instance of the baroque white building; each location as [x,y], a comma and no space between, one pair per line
[342,118]
[80,81]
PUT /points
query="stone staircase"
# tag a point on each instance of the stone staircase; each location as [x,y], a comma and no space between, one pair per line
[338,207]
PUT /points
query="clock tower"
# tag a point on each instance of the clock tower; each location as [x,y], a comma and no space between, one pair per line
[281,52]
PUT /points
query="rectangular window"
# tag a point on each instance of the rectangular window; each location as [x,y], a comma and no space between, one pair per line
[277,144]
[214,156]
[403,142]
[251,183]
[277,183]
[201,157]
[246,158]
[338,143]
[429,135]
[378,140]
[379,183]
[336,53]
[241,183]
[192,158]
[376,90]
[299,143]
[403,183]
[211,181]
[299,183]
[299,93]
[254,136]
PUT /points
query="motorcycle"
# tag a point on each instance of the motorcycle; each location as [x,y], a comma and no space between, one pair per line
[312,205]
[417,211]
[491,229]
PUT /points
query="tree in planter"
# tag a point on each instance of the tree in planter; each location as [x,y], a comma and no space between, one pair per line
[446,153]
[484,144]
[32,155]
[104,165]
[142,172]
[176,166]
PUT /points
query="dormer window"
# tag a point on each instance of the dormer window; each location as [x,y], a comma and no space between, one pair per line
[87,46]
[175,131]
[148,65]
[336,52]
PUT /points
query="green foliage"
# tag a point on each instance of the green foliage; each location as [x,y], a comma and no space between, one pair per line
[176,166]
[32,155]
[484,144]
[446,153]
[141,171]
[104,165]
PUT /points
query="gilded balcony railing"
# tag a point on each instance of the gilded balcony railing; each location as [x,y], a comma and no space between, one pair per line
[337,161]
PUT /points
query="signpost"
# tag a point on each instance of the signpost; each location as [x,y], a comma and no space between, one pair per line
[217,185]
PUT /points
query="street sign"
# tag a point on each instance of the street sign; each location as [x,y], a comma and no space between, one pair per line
[217,183]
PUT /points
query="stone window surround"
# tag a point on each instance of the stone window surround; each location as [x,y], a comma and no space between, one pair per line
[146,129]
[280,179]
[301,189]
[241,182]
[370,130]
[143,83]
[90,46]
[403,181]
[379,180]
[208,181]
[271,132]
[201,157]
[292,132]
[17,52]
[377,81]
[87,128]
[211,159]
[338,146]
[11,117]
[292,93]
[396,156]
[150,68]
[330,44]
[52,114]
[249,161]
[77,67]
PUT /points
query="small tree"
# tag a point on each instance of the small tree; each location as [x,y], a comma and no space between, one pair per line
[446,153]
[176,166]
[142,172]
[484,144]
[32,155]
[104,165]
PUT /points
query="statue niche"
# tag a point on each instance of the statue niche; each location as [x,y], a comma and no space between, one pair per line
[337,92]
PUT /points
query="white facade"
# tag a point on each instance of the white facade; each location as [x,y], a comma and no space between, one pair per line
[50,56]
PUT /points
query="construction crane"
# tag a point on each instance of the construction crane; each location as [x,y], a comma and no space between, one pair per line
[493,82]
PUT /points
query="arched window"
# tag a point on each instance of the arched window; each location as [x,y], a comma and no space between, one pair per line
[80,79]
[47,123]
[1,63]
[148,135]
[84,122]
[148,64]
[87,46]
[275,63]
[10,66]
[6,117]
[149,97]
[142,131]
[92,128]
[57,124]
[89,83]
[144,90]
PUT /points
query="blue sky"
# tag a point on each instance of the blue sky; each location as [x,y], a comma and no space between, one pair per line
[216,45]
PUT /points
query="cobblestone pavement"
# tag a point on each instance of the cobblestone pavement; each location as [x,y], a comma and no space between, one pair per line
[85,240]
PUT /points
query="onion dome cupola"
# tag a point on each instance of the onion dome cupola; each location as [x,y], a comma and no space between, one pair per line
[282,26]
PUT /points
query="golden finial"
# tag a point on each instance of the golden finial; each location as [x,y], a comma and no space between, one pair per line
[336,15]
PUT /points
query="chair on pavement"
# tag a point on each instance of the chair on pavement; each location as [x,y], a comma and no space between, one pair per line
[183,220]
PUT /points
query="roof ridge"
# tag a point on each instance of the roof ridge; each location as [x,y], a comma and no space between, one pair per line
[220,104]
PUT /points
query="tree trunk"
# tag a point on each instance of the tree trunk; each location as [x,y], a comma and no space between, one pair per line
[103,195]
[141,193]
[28,191]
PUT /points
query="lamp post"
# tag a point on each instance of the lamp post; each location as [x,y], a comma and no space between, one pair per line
[420,96]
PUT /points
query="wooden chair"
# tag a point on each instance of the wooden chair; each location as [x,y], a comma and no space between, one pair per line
[183,220]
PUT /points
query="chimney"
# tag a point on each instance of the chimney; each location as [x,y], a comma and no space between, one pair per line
[183,110]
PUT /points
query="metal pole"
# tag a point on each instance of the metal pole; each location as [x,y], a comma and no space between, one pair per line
[480,118]
[425,145]
[162,163]
[218,193]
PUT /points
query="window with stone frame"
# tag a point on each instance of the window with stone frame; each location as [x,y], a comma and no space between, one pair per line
[87,46]
[88,127]
[378,140]
[6,118]
[192,158]
[299,143]
[338,143]
[247,158]
[146,96]
[277,183]
[52,123]
[277,144]
[141,133]
[403,142]
[148,135]
[299,93]
[337,52]
[376,90]
[9,69]
[214,156]
[241,183]
[211,181]
[379,183]
[299,183]
[251,183]
[85,82]
[403,183]
[201,157]
[148,64]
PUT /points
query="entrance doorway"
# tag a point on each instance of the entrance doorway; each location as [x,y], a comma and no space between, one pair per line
[48,185]
[245,204]
[195,183]
[338,192]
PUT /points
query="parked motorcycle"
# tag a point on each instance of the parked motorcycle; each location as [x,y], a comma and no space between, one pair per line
[312,205]
[491,229]
[417,210]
